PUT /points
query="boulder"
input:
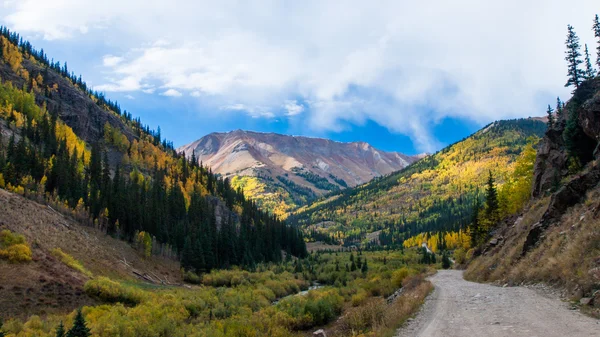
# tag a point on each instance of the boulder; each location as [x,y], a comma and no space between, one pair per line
[319,333]
[585,301]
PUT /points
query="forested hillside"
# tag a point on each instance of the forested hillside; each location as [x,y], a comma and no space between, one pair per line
[437,193]
[69,146]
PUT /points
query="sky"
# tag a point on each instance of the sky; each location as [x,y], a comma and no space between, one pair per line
[401,75]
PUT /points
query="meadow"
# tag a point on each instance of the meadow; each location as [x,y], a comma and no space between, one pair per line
[347,297]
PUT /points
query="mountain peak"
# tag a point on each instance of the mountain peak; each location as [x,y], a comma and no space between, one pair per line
[299,166]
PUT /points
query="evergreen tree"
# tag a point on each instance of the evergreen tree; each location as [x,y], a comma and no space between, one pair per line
[79,328]
[589,72]
[596,29]
[445,260]
[573,58]
[491,197]
[60,330]
[365,267]
[550,117]
[559,109]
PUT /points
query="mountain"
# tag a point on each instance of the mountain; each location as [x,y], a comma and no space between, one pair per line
[283,171]
[65,145]
[436,193]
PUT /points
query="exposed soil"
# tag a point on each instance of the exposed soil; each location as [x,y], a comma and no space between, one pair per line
[46,285]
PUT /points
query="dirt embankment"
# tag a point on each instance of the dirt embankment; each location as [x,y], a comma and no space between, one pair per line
[46,285]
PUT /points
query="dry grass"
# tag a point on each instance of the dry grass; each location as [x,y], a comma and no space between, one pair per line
[377,318]
[46,285]
[564,258]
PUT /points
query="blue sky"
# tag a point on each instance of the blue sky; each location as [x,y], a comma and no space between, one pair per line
[402,76]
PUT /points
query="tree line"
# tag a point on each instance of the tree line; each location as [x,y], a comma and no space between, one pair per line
[176,200]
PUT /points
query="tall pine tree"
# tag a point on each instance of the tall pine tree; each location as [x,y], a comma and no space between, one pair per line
[596,29]
[573,58]
[550,117]
[590,72]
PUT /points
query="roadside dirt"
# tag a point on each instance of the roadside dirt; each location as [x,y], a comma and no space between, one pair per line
[461,308]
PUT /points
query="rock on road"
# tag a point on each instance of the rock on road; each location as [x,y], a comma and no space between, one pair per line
[459,308]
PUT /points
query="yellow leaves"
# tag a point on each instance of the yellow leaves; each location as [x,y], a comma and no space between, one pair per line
[116,138]
[11,54]
[74,143]
[70,261]
[13,247]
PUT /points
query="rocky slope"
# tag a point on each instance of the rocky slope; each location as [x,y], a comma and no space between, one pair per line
[290,169]
[556,238]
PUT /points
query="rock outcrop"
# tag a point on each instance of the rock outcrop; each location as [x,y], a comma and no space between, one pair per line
[552,159]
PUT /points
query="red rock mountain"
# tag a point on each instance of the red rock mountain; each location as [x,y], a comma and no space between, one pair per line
[304,167]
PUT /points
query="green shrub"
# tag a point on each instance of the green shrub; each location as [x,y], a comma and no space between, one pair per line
[110,291]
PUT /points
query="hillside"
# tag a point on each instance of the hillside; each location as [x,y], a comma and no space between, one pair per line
[282,172]
[555,239]
[69,146]
[435,193]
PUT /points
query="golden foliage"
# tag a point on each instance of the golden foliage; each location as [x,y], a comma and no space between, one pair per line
[13,247]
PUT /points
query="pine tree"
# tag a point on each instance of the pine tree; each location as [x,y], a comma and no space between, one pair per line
[445,261]
[550,117]
[596,29]
[79,328]
[60,330]
[491,197]
[559,109]
[573,58]
[590,72]
[365,267]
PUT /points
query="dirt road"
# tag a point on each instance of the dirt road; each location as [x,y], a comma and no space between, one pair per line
[462,308]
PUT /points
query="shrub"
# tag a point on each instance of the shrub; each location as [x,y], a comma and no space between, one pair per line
[71,261]
[359,298]
[111,291]
[399,275]
[191,277]
[16,253]
[13,247]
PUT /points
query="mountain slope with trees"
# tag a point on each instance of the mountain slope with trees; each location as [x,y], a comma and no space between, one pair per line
[437,193]
[67,145]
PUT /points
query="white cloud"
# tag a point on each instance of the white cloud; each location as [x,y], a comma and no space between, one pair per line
[129,97]
[172,93]
[111,61]
[293,108]
[403,64]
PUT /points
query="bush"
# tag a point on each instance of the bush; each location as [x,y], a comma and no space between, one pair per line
[359,298]
[319,307]
[399,275]
[13,247]
[16,253]
[111,291]
[191,277]
[71,262]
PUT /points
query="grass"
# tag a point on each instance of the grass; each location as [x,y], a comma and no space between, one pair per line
[563,258]
[71,262]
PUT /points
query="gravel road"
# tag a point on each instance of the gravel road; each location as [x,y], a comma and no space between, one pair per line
[462,308]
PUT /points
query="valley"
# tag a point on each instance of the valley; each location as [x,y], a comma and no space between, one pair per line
[108,229]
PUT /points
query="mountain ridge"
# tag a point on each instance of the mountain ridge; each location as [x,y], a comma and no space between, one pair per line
[292,169]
